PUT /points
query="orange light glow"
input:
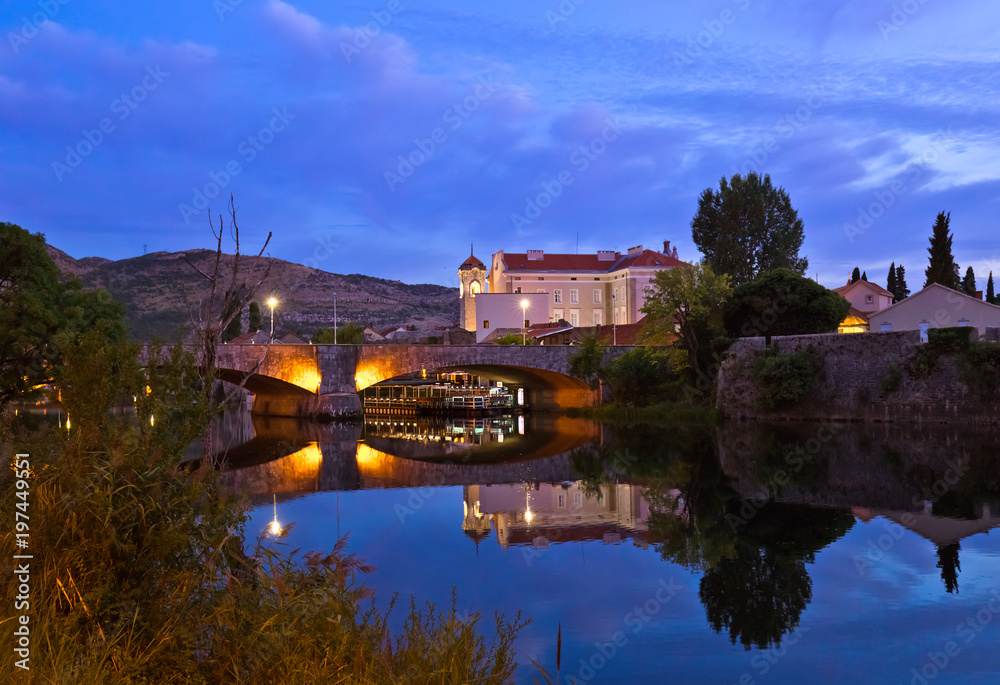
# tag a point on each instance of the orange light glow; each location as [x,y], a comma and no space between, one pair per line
[306,375]
[369,458]
[366,376]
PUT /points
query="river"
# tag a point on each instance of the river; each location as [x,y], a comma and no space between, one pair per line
[740,554]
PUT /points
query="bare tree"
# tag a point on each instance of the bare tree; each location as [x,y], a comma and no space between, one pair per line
[233,282]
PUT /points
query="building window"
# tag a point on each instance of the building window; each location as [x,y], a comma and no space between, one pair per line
[574,296]
[963,323]
[561,500]
[886,327]
[597,297]
[474,289]
[868,299]
[578,500]
[598,317]
[923,332]
[540,290]
[557,296]
[574,317]
[486,324]
[517,289]
[557,314]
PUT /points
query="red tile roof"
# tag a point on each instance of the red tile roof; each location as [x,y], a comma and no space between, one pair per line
[874,286]
[518,261]
[471,263]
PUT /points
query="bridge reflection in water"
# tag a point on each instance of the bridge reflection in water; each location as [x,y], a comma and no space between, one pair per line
[516,474]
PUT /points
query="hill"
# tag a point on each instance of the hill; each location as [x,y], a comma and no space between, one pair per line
[159,288]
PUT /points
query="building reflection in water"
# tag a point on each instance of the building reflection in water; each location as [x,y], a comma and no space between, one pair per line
[538,514]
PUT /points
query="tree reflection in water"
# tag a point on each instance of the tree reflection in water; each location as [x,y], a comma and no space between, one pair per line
[755,583]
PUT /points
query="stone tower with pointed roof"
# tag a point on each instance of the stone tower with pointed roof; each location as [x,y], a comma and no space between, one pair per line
[471,282]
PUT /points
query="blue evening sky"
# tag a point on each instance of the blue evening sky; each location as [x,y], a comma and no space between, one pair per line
[400,132]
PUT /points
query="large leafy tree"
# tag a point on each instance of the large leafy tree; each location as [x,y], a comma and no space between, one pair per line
[783,303]
[942,267]
[747,228]
[684,307]
[41,315]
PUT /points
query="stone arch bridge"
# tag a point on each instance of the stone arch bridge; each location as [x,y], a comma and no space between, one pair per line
[315,380]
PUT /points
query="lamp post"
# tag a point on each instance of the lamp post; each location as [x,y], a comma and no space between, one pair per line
[335,318]
[271,302]
[524,313]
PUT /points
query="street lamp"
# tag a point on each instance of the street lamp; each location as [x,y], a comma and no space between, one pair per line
[271,302]
[335,318]
[524,321]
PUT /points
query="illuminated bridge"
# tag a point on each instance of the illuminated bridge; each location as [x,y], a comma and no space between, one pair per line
[316,380]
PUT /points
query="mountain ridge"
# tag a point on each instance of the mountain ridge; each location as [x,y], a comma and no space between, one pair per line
[160,289]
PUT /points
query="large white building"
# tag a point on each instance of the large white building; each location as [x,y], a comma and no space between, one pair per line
[583,289]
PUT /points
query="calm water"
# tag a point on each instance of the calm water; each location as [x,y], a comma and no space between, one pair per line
[746,554]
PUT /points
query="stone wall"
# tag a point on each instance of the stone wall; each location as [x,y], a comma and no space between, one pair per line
[850,384]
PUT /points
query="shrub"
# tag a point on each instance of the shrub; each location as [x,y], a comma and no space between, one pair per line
[784,378]
[639,377]
[949,340]
[892,380]
[979,367]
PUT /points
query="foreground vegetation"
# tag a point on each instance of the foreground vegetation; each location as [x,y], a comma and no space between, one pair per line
[141,571]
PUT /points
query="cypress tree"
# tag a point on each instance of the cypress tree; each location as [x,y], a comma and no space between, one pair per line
[255,321]
[890,281]
[864,276]
[902,292]
[856,275]
[969,282]
[942,267]
[990,296]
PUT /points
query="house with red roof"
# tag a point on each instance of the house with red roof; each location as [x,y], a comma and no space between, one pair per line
[583,289]
[866,299]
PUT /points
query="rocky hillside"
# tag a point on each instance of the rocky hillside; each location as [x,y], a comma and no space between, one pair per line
[158,290]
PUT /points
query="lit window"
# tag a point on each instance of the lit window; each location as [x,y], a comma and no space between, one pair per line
[574,296]
[486,324]
[474,289]
[557,296]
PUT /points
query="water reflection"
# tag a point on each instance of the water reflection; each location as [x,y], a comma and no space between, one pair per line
[751,511]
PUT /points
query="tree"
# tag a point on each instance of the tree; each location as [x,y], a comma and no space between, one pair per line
[783,303]
[902,291]
[969,282]
[587,361]
[40,315]
[234,329]
[890,281]
[684,305]
[990,295]
[942,267]
[748,228]
[950,566]
[348,334]
[254,322]
[855,275]
[864,276]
